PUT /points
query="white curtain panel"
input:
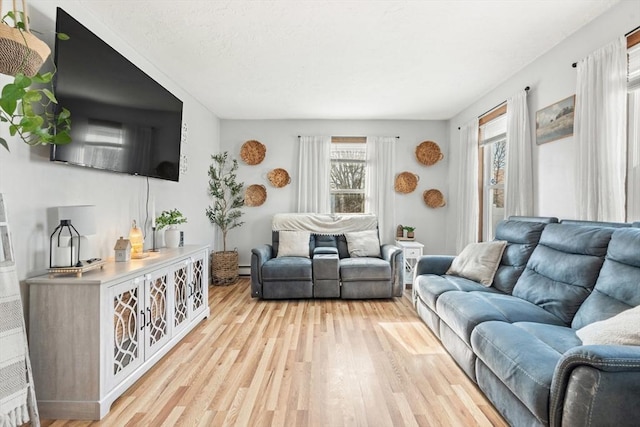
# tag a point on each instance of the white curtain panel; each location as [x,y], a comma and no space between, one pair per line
[519,173]
[314,167]
[633,174]
[466,210]
[600,133]
[380,196]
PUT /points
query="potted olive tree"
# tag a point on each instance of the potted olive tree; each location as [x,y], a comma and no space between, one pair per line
[224,213]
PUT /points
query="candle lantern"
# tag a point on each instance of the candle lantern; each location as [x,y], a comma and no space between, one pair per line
[70,231]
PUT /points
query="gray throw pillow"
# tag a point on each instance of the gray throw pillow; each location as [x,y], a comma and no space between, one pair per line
[478,261]
[363,243]
[293,243]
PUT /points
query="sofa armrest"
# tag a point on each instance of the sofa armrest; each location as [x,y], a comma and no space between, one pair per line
[596,385]
[259,255]
[395,257]
[325,250]
[433,264]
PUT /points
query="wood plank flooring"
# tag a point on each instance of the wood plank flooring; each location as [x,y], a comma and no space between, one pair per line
[303,363]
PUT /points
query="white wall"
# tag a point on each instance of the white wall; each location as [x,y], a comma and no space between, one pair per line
[552,79]
[31,183]
[281,139]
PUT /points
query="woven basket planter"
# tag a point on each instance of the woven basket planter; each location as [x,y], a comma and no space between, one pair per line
[224,268]
[21,51]
[255,195]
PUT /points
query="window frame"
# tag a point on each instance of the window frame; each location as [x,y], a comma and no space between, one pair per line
[351,140]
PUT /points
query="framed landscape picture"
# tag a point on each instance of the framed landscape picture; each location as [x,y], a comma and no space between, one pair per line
[555,121]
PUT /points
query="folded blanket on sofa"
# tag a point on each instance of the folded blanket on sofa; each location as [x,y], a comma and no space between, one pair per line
[326,224]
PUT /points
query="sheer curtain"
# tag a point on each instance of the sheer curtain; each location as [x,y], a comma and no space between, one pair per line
[519,173]
[314,168]
[633,177]
[600,133]
[466,210]
[380,196]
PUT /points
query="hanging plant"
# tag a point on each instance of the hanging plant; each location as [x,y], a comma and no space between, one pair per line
[29,111]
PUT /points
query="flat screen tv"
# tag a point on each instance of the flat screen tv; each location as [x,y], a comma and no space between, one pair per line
[121,119]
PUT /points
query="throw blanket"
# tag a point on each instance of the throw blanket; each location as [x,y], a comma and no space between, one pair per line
[17,397]
[326,224]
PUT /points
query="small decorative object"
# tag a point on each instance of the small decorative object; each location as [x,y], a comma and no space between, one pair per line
[255,195]
[171,219]
[137,242]
[253,152]
[122,249]
[410,231]
[428,153]
[279,177]
[406,182]
[555,121]
[400,231]
[433,198]
[74,256]
[225,213]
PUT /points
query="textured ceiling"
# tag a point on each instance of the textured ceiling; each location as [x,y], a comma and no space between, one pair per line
[357,59]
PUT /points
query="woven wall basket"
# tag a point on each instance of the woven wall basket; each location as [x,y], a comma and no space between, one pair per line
[21,51]
[224,267]
[253,152]
[279,177]
[255,195]
[406,182]
[428,153]
[433,198]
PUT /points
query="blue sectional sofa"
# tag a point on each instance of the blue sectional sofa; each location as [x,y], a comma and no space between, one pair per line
[519,338]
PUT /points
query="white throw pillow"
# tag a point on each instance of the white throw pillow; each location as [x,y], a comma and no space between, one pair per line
[479,261]
[621,329]
[363,243]
[293,243]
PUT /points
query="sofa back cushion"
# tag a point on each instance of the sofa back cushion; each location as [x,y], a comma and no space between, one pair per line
[563,268]
[522,237]
[618,285]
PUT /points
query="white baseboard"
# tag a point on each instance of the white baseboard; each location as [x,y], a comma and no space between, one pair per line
[244,270]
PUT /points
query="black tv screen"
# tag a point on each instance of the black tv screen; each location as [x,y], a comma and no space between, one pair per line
[121,119]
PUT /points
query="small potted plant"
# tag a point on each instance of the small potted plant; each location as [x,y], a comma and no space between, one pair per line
[171,219]
[409,231]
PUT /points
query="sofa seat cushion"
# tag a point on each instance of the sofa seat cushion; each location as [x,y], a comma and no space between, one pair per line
[463,311]
[523,355]
[429,287]
[364,268]
[287,268]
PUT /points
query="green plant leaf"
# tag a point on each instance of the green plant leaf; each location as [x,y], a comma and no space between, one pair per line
[3,142]
[22,81]
[32,96]
[43,78]
[65,114]
[62,138]
[50,95]
[62,36]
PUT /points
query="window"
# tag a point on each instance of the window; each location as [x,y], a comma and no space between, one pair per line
[633,151]
[492,162]
[348,168]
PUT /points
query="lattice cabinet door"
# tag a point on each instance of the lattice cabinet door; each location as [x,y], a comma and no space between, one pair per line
[199,284]
[156,311]
[126,307]
[181,291]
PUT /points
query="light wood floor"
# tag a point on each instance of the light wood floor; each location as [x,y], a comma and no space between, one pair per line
[303,363]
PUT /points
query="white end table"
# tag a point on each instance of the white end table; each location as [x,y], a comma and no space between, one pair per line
[412,251]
